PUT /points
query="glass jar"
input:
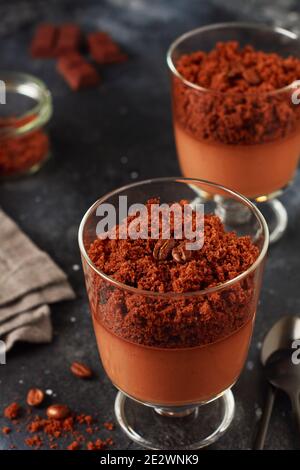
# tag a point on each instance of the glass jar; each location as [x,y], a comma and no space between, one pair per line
[174,354]
[249,141]
[25,109]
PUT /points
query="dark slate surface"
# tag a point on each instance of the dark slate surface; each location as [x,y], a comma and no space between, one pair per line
[103,138]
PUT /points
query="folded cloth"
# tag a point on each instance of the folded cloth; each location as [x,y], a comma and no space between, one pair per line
[29,281]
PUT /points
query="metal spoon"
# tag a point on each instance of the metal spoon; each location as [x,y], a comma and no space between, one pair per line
[276,357]
[285,375]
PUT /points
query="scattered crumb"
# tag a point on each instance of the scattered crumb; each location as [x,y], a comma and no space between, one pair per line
[73,446]
[34,441]
[99,444]
[109,426]
[12,411]
[6,430]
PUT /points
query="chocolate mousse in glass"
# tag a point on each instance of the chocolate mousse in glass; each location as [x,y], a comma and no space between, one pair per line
[173,324]
[235,121]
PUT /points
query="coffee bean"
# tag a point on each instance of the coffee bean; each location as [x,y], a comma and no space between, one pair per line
[35,397]
[163,249]
[58,411]
[180,254]
[81,370]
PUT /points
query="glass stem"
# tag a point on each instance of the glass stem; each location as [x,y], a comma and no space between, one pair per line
[176,412]
[232,212]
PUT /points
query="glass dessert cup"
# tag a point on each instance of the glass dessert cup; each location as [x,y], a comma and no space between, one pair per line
[174,397]
[259,166]
[24,142]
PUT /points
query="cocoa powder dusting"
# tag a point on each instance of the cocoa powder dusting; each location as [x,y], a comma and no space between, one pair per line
[236,106]
[54,433]
[74,432]
[166,321]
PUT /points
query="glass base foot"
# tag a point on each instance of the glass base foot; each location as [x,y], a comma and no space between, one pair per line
[276,217]
[175,428]
[233,215]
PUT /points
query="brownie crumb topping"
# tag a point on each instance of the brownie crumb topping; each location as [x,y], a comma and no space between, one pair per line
[230,67]
[244,112]
[155,266]
[165,265]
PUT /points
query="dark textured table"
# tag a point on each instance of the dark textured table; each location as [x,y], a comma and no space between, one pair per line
[103,138]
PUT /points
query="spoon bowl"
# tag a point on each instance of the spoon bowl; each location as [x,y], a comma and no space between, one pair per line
[280,336]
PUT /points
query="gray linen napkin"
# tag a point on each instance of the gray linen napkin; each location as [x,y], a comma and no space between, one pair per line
[29,281]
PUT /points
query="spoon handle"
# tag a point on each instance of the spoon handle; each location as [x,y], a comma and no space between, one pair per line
[260,438]
[296,409]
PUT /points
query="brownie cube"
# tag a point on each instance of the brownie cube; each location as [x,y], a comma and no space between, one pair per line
[77,72]
[44,41]
[103,49]
[70,61]
[98,37]
[69,39]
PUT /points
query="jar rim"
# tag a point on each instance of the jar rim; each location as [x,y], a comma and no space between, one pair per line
[36,116]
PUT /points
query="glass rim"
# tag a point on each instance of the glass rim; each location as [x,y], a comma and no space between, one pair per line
[17,82]
[216,26]
[171,294]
